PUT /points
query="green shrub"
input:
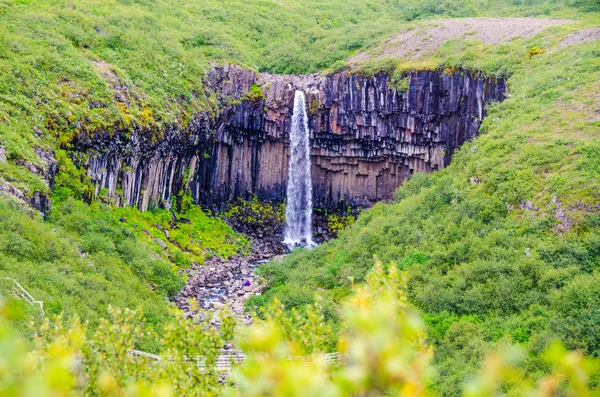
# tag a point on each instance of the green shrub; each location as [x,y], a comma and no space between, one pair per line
[253,216]
[480,239]
[382,351]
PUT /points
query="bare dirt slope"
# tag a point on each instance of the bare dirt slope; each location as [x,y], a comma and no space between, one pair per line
[581,37]
[425,39]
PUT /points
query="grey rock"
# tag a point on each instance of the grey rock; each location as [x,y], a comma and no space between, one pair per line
[528,206]
[160,243]
[278,258]
[564,222]
[220,282]
[361,125]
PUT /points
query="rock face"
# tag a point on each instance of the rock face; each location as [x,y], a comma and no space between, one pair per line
[368,135]
[45,169]
[136,170]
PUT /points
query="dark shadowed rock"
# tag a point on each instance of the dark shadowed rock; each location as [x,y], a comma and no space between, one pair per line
[368,135]
[44,167]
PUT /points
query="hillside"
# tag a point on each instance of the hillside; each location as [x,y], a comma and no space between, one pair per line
[501,247]
[74,69]
[502,244]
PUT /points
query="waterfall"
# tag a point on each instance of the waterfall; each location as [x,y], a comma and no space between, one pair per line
[298,209]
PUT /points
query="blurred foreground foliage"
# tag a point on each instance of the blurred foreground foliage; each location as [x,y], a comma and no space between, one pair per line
[382,346]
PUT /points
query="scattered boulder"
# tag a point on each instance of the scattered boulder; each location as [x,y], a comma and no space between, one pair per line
[564,223]
[528,206]
[8,189]
[278,258]
[232,281]
[160,243]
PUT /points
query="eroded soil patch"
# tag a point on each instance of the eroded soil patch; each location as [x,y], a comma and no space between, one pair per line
[426,39]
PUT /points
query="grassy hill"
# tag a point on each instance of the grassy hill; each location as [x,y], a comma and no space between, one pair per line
[460,233]
[64,64]
[505,242]
[84,258]
[55,54]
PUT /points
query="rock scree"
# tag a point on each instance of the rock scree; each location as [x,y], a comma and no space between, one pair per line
[219,282]
[424,39]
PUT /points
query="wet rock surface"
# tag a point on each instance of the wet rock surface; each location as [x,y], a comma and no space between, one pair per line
[219,282]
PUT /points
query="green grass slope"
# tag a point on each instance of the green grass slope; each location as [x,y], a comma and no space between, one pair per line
[81,261]
[63,66]
[505,242]
[61,62]
[84,257]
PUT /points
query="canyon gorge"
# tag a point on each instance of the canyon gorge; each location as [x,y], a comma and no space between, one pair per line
[368,134]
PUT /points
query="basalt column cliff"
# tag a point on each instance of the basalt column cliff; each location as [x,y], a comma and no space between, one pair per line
[368,135]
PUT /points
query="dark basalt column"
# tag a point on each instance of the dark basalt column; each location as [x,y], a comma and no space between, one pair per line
[368,137]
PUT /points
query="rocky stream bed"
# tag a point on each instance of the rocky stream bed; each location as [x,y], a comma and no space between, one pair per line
[219,282]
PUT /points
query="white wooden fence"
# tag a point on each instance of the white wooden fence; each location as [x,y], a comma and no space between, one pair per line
[227,358]
[223,363]
[21,293]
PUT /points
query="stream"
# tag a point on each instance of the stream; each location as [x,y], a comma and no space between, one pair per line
[233,281]
[229,281]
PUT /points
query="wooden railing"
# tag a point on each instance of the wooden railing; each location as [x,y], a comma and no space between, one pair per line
[21,293]
[227,358]
[223,362]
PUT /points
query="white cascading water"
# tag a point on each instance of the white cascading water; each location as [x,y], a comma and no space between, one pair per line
[298,209]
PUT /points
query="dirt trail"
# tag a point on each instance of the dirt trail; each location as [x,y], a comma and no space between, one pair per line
[426,39]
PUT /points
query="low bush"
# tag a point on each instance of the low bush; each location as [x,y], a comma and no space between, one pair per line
[503,242]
